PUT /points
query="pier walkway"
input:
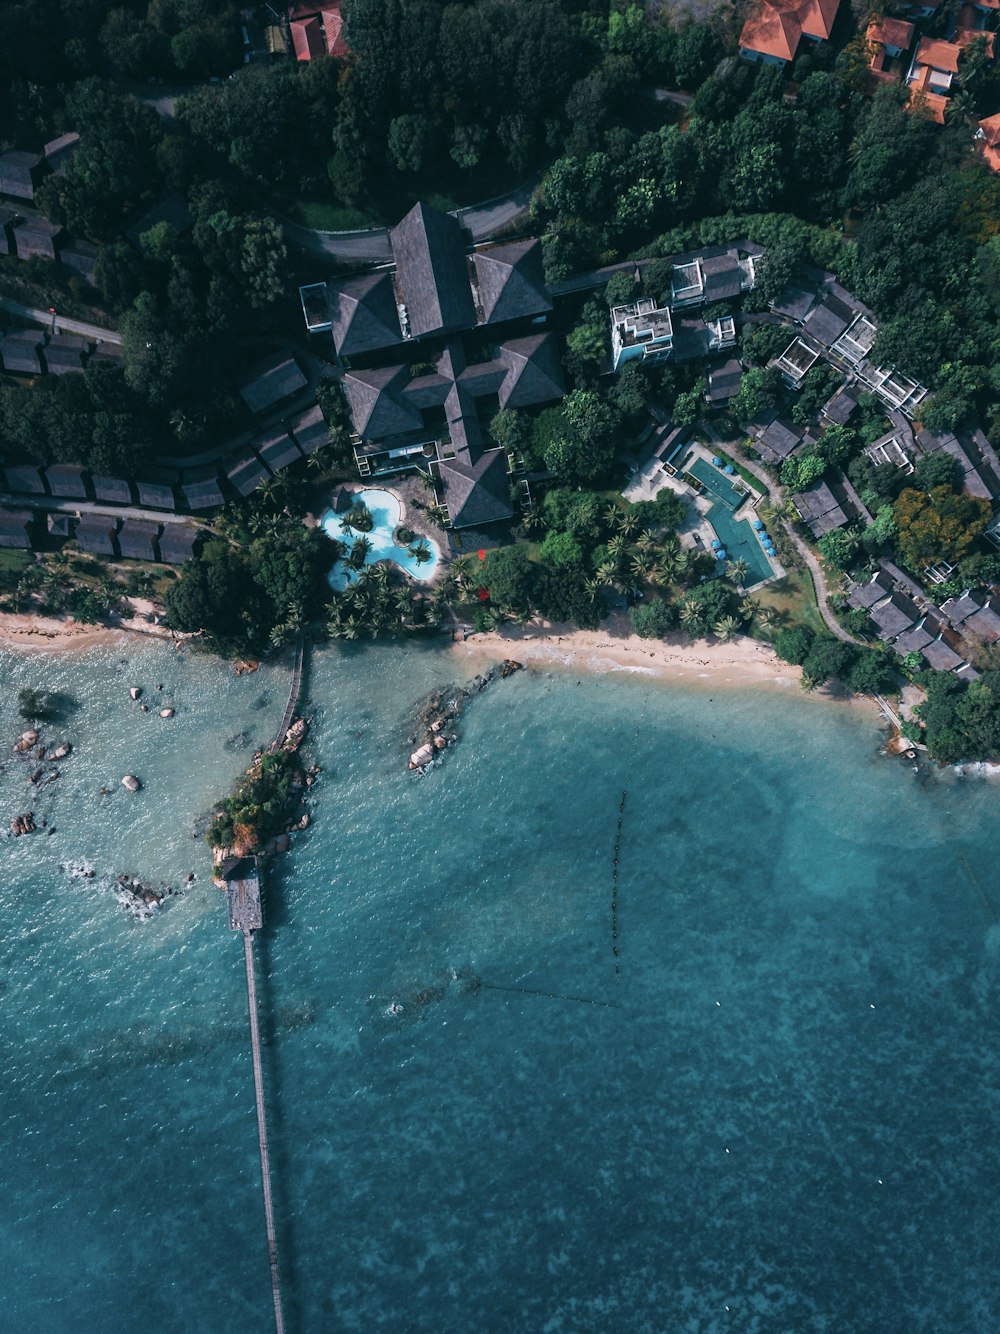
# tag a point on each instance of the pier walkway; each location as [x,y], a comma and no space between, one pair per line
[265,1161]
[293,693]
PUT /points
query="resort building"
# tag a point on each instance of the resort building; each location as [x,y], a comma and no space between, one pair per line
[773,33]
[819,509]
[641,331]
[431,348]
[935,67]
[317,30]
[987,139]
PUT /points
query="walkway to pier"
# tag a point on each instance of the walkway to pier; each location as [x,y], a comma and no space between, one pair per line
[293,693]
[265,1162]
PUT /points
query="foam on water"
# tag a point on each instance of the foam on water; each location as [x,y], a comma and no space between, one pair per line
[787,1123]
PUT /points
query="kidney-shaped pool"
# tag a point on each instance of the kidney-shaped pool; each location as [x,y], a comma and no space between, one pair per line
[386,511]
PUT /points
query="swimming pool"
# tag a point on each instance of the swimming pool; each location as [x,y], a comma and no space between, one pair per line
[386,512]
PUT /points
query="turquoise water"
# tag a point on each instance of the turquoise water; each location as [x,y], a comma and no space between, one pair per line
[386,513]
[737,536]
[789,1113]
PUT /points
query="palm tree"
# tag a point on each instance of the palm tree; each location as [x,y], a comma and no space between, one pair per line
[613,513]
[607,572]
[962,106]
[726,627]
[647,544]
[360,551]
[461,573]
[766,616]
[749,608]
[642,565]
[627,523]
[420,551]
[592,586]
[690,616]
[617,546]
[737,570]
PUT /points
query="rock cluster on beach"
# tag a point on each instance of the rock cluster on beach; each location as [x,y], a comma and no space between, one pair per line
[443,708]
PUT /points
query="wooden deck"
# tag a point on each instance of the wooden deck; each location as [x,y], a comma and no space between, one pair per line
[243,894]
[293,693]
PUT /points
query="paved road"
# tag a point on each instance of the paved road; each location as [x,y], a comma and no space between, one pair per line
[63,325]
[813,565]
[88,507]
[372,246]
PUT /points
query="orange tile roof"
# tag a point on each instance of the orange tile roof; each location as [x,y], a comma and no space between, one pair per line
[316,30]
[778,25]
[964,36]
[990,131]
[922,100]
[992,158]
[936,54]
[891,32]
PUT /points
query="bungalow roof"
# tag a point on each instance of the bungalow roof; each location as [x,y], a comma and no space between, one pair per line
[866,595]
[202,490]
[838,409]
[59,523]
[829,319]
[137,539]
[156,495]
[534,371]
[724,381]
[64,353]
[310,429]
[36,236]
[778,439]
[912,641]
[19,357]
[67,480]
[278,450]
[15,529]
[896,614]
[96,533]
[18,173]
[936,53]
[178,543]
[271,380]
[890,32]
[113,490]
[24,479]
[378,408]
[984,624]
[246,474]
[723,277]
[477,493]
[776,27]
[941,656]
[59,151]
[961,608]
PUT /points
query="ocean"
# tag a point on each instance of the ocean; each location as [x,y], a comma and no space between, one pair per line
[773,1110]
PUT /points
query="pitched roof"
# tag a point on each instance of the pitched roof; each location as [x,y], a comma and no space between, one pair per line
[778,25]
[724,381]
[14,529]
[534,371]
[20,356]
[66,479]
[912,641]
[890,32]
[922,99]
[310,429]
[510,283]
[377,406]
[431,271]
[317,30]
[112,489]
[137,539]
[271,380]
[59,151]
[278,450]
[477,493]
[64,352]
[156,495]
[723,277]
[18,171]
[96,533]
[989,141]
[363,314]
[829,319]
[896,614]
[866,595]
[178,542]
[941,656]
[201,489]
[246,473]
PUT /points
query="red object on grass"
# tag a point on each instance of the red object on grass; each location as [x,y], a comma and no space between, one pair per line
[484,594]
[481,554]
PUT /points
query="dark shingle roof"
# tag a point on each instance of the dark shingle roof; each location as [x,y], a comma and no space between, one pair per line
[156,495]
[7,216]
[18,173]
[15,528]
[941,656]
[96,533]
[431,271]
[310,429]
[866,595]
[724,381]
[722,277]
[270,381]
[278,450]
[839,408]
[64,352]
[961,608]
[66,479]
[137,539]
[36,236]
[81,256]
[201,489]
[829,320]
[894,615]
[377,406]
[477,493]
[177,543]
[246,474]
[509,281]
[363,314]
[984,624]
[819,508]
[912,641]
[113,489]
[778,439]
[24,479]
[20,356]
[534,371]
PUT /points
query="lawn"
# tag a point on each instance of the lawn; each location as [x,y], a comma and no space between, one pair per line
[12,566]
[325,217]
[794,599]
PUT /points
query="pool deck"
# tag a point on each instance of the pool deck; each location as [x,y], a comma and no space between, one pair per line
[732,499]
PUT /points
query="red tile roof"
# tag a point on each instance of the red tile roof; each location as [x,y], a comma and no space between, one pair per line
[922,99]
[989,141]
[778,25]
[317,30]
[937,54]
[890,32]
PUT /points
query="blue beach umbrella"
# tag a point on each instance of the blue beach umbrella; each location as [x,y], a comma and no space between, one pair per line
[716,460]
[721,554]
[730,469]
[758,527]
[716,544]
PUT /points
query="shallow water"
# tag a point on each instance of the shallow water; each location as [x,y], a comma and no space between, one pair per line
[386,512]
[784,1105]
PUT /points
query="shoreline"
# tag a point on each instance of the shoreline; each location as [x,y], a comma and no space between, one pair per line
[28,633]
[740,664]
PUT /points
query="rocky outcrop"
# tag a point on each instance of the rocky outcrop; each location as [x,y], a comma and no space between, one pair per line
[61,751]
[130,783]
[26,741]
[23,824]
[135,692]
[442,710]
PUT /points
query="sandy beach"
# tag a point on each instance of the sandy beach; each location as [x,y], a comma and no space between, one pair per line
[49,634]
[740,663]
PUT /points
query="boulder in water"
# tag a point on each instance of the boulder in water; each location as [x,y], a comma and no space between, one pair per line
[61,751]
[22,824]
[166,713]
[130,783]
[135,692]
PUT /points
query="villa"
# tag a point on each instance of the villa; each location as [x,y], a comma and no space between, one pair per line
[935,67]
[773,33]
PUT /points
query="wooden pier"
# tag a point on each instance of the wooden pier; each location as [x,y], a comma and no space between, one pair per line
[293,693]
